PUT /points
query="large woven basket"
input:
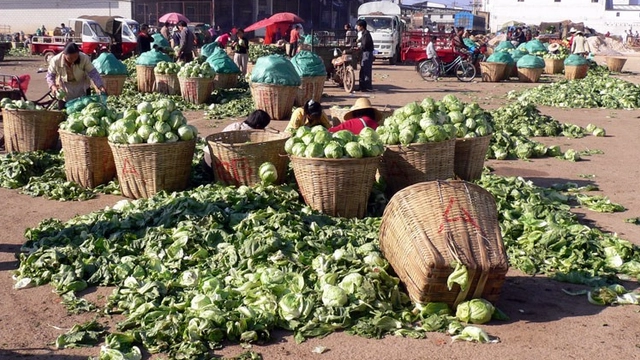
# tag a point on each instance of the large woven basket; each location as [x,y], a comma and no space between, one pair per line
[405,165]
[338,113]
[336,187]
[615,64]
[553,66]
[225,81]
[87,160]
[146,78]
[530,75]
[31,130]
[114,83]
[492,71]
[428,227]
[508,71]
[572,72]
[276,100]
[311,88]
[168,84]
[470,155]
[236,156]
[196,90]
[145,169]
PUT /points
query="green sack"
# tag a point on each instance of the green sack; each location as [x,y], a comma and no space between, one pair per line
[208,49]
[77,104]
[575,60]
[504,46]
[152,58]
[160,41]
[221,63]
[535,46]
[517,55]
[107,64]
[276,70]
[307,63]
[470,44]
[523,47]
[308,39]
[530,62]
[501,57]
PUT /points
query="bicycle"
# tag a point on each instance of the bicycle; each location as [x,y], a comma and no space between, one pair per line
[464,70]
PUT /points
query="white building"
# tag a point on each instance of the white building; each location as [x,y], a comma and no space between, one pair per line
[28,15]
[614,16]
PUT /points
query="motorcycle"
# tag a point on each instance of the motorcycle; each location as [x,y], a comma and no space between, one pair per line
[341,71]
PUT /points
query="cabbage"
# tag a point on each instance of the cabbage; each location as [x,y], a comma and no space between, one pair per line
[125,126]
[353,150]
[117,137]
[333,150]
[145,108]
[302,131]
[318,128]
[461,130]
[308,138]
[406,136]
[134,139]
[322,137]
[176,119]
[162,127]
[333,296]
[345,135]
[96,131]
[420,138]
[155,138]
[371,149]
[476,311]
[294,305]
[470,124]
[411,108]
[268,173]
[130,114]
[171,137]
[456,117]
[314,150]
[369,134]
[599,132]
[187,132]
[161,115]
[299,149]
[351,283]
[76,126]
[144,131]
[145,119]
[288,145]
[428,104]
[89,120]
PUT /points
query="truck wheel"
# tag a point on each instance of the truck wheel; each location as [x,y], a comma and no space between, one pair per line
[393,59]
[48,56]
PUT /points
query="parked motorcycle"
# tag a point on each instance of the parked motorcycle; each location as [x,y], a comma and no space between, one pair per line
[341,71]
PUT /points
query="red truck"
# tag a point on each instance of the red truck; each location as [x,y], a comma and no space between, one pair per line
[88,34]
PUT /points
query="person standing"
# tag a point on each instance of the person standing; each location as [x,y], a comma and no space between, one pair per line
[185,52]
[366,62]
[350,35]
[294,37]
[144,40]
[580,45]
[241,48]
[164,31]
[432,55]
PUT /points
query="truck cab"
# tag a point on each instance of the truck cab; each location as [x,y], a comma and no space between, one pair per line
[123,33]
[386,28]
[91,34]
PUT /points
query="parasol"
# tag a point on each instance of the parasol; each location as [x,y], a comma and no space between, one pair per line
[173,18]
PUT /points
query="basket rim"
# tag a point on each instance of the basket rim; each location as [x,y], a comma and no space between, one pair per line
[148,144]
[411,145]
[69,133]
[38,111]
[254,84]
[473,138]
[334,160]
[281,136]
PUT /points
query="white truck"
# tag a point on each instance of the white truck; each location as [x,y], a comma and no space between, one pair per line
[386,28]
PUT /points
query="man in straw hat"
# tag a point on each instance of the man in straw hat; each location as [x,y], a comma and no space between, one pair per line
[361,115]
[580,45]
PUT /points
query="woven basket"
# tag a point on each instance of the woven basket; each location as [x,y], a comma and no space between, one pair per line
[470,155]
[405,165]
[87,160]
[236,156]
[338,114]
[311,88]
[31,130]
[572,72]
[615,64]
[167,84]
[196,90]
[553,66]
[276,100]
[508,70]
[146,78]
[114,83]
[145,169]
[225,81]
[530,75]
[492,72]
[336,187]
[428,227]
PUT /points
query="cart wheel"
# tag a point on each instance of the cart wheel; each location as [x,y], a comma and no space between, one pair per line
[465,71]
[48,56]
[427,69]
[349,79]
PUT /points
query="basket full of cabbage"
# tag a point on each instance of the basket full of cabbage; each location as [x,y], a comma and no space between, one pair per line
[335,172]
[87,157]
[29,127]
[166,74]
[196,81]
[152,147]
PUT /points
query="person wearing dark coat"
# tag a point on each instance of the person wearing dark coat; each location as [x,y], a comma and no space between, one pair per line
[366,64]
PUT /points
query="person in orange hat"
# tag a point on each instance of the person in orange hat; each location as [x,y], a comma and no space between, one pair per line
[361,115]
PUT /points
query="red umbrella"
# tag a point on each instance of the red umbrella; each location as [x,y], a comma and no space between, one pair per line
[258,25]
[173,18]
[286,17]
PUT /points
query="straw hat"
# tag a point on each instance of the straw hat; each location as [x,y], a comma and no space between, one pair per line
[572,30]
[362,103]
[554,47]
[579,32]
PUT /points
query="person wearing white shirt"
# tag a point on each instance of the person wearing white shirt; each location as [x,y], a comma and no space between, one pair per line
[432,55]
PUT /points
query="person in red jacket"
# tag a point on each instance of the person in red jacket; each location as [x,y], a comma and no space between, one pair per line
[361,115]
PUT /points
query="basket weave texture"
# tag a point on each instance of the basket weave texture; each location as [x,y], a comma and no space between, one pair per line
[615,64]
[196,90]
[405,165]
[530,75]
[470,155]
[168,84]
[276,100]
[145,169]
[225,81]
[553,66]
[338,114]
[428,227]
[311,88]
[492,72]
[575,72]
[114,83]
[146,78]
[336,187]
[87,160]
[31,130]
[236,156]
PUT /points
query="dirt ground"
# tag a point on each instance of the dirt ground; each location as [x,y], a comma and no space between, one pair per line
[545,322]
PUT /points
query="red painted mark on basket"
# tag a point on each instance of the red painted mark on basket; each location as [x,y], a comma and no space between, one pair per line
[127,168]
[466,216]
[234,170]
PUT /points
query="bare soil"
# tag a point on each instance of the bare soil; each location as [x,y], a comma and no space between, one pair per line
[545,322]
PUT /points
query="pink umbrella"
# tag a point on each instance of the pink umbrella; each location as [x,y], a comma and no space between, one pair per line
[173,18]
[286,17]
[258,25]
